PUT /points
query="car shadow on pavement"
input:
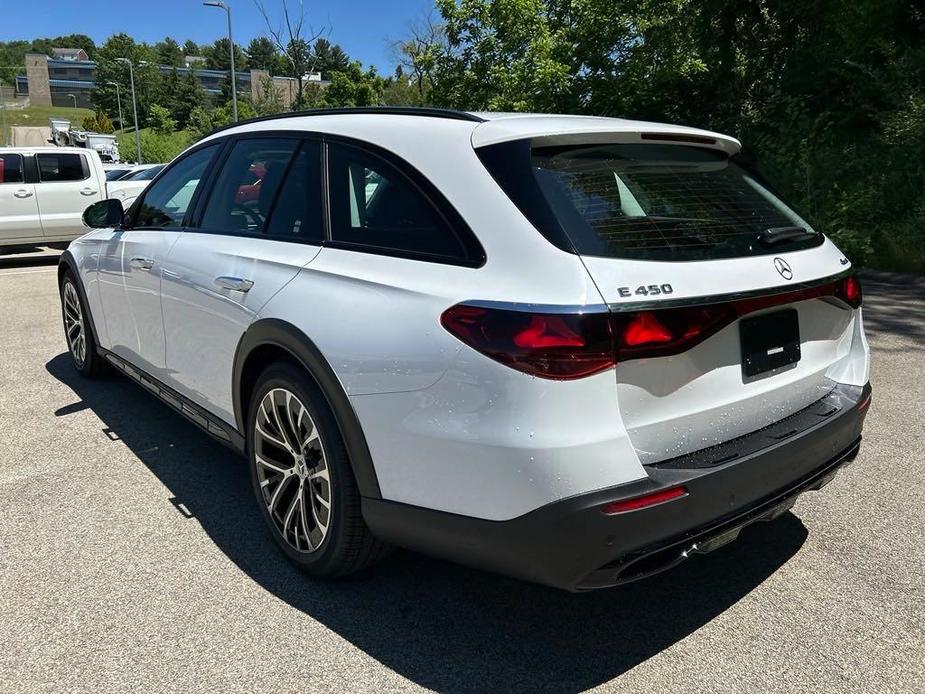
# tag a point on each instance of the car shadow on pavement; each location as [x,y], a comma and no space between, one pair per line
[27,256]
[443,626]
[894,305]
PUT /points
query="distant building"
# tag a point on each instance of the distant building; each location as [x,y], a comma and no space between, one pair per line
[70,54]
[193,60]
[51,81]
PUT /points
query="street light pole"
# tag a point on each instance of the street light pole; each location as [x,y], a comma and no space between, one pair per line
[2,114]
[74,98]
[119,102]
[131,76]
[234,75]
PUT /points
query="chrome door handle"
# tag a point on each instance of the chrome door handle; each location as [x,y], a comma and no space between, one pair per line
[87,191]
[141,263]
[23,193]
[234,283]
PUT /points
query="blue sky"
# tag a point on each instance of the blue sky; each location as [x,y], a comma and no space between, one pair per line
[364,28]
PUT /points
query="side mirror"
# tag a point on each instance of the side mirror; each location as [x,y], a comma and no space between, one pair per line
[104,214]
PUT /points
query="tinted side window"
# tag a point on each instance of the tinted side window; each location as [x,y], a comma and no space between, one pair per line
[297,212]
[10,168]
[244,192]
[165,202]
[375,205]
[65,166]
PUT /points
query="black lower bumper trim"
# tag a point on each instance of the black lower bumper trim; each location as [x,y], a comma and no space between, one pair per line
[660,557]
[572,544]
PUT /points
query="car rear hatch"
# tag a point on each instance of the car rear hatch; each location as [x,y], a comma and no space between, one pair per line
[730,311]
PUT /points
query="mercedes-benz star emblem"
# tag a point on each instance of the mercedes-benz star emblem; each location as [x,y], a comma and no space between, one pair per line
[783,268]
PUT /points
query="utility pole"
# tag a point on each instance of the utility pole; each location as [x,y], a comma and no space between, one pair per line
[2,115]
[119,102]
[234,75]
[131,76]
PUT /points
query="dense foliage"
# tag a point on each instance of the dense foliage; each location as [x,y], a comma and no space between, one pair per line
[828,95]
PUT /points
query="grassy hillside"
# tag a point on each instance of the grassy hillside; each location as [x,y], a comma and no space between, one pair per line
[154,146]
[39,115]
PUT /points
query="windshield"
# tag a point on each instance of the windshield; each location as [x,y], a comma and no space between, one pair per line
[144,174]
[115,174]
[664,202]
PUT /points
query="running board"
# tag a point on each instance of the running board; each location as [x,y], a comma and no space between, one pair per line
[214,427]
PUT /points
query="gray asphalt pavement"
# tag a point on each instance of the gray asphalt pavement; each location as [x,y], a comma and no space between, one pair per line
[132,558]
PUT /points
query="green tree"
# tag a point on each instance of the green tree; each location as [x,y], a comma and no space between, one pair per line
[188,96]
[160,121]
[398,90]
[505,55]
[419,55]
[354,87]
[190,48]
[67,41]
[179,94]
[341,91]
[262,54]
[827,92]
[169,52]
[218,57]
[109,69]
[200,122]
[328,58]
[293,39]
[269,101]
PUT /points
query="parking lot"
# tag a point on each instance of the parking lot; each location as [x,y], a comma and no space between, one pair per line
[132,557]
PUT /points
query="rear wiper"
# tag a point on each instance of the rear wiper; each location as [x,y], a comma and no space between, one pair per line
[778,234]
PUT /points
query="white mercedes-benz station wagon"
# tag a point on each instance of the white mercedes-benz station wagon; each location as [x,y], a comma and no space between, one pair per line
[573,350]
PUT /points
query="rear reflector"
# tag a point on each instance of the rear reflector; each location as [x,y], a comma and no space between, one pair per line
[644,501]
[574,345]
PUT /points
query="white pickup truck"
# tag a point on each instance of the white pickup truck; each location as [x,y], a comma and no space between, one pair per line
[44,192]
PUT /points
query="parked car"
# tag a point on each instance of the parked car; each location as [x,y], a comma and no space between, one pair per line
[44,192]
[129,186]
[116,171]
[573,350]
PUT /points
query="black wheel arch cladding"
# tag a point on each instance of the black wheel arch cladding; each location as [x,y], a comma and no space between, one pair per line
[274,333]
[67,264]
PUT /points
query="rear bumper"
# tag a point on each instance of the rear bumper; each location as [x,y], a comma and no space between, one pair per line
[572,544]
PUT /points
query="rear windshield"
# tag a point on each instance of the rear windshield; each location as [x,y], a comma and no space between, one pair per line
[664,202]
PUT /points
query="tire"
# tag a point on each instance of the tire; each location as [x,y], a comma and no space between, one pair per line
[77,333]
[302,477]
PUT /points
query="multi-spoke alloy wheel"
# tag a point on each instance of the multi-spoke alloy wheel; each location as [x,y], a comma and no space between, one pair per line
[292,470]
[74,324]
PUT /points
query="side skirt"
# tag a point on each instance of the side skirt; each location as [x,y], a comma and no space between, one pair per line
[214,427]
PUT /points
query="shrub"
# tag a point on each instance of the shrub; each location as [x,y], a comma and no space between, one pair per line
[97,122]
[160,121]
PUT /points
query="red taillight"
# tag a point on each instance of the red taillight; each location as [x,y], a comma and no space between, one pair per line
[548,331]
[645,329]
[849,291]
[551,345]
[667,331]
[574,345]
[644,501]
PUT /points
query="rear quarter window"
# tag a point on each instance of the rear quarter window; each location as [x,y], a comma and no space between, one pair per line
[61,166]
[383,207]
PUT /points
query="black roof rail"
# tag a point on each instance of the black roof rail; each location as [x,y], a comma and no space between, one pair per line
[449,113]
